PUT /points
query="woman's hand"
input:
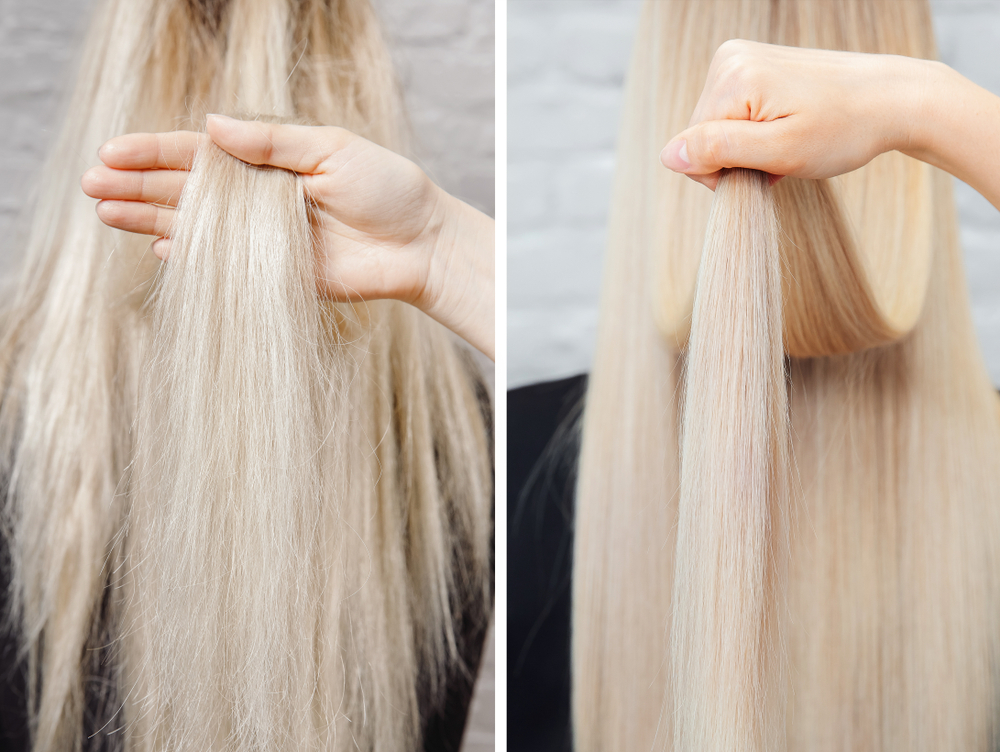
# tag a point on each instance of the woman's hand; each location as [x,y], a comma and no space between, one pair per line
[800,112]
[384,229]
[818,113]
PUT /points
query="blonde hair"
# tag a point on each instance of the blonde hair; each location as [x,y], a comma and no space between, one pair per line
[270,512]
[733,491]
[751,576]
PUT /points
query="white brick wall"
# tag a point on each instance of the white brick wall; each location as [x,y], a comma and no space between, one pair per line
[444,53]
[566,66]
[37,41]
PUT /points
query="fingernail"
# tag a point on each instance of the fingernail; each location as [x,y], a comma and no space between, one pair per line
[161,248]
[675,156]
[219,117]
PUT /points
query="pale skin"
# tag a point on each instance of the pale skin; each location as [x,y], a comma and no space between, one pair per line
[816,114]
[383,228]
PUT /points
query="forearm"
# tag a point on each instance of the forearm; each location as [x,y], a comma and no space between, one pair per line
[460,281]
[955,125]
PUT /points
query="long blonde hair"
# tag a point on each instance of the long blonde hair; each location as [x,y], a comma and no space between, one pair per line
[270,512]
[783,549]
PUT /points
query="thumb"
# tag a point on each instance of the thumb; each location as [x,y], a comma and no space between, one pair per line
[299,148]
[708,147]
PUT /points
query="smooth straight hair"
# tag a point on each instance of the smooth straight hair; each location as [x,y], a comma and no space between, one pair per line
[787,518]
[239,516]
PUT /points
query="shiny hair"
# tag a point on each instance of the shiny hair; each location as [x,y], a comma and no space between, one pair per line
[239,516]
[787,527]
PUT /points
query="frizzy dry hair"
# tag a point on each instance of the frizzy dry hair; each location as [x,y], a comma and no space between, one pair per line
[239,516]
[786,515]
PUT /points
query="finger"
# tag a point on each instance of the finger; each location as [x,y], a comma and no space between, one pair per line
[153,186]
[152,151]
[161,248]
[136,216]
[711,146]
[709,181]
[300,148]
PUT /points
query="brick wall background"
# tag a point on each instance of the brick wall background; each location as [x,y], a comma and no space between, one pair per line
[566,64]
[445,58]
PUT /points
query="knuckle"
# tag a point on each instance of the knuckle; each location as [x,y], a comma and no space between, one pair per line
[713,147]
[738,63]
[734,71]
[415,175]
[731,47]
[338,138]
[262,141]
[267,150]
[330,146]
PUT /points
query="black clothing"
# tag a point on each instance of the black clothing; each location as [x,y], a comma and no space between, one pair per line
[542,449]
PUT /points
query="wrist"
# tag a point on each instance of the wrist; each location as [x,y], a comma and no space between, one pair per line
[436,242]
[458,290]
[919,107]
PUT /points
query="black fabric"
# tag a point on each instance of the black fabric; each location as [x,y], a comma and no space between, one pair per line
[443,730]
[542,449]
[13,671]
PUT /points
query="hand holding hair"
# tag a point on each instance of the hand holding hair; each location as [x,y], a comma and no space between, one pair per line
[383,228]
[819,113]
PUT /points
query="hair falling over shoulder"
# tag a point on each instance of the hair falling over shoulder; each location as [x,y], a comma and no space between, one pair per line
[787,528]
[240,516]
